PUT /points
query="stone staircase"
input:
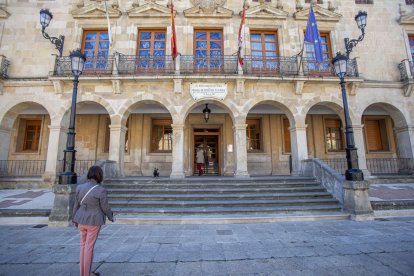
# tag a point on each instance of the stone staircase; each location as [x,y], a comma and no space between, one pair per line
[214,200]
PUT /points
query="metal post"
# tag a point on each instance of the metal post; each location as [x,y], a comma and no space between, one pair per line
[353,173]
[68,176]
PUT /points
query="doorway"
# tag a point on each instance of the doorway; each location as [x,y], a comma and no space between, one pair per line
[208,141]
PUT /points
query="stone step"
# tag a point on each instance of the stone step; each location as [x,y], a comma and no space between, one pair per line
[226,210]
[166,190]
[208,185]
[204,197]
[221,203]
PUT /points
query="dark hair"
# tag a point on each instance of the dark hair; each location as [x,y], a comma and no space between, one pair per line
[95,173]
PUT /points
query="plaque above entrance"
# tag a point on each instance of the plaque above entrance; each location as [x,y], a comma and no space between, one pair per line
[208,90]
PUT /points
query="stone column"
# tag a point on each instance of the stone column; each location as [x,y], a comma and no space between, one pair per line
[405,141]
[356,200]
[54,150]
[360,145]
[117,146]
[299,147]
[5,143]
[177,170]
[240,151]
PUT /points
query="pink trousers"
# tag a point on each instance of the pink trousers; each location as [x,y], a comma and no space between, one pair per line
[88,236]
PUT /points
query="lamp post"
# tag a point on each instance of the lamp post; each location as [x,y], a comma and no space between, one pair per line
[206,113]
[340,62]
[68,176]
[45,18]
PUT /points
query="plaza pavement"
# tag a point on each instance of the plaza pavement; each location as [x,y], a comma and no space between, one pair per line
[341,247]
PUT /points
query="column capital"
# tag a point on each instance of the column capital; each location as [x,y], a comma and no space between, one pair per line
[55,127]
[404,129]
[118,127]
[178,126]
[298,127]
[4,129]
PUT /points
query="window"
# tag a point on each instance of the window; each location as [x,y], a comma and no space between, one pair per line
[107,134]
[151,50]
[286,136]
[411,41]
[312,67]
[409,2]
[333,135]
[161,135]
[265,0]
[376,134]
[32,135]
[264,51]
[127,132]
[96,48]
[364,2]
[317,2]
[208,50]
[253,134]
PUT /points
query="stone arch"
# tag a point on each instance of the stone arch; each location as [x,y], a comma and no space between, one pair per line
[333,103]
[125,110]
[395,113]
[9,114]
[275,103]
[190,105]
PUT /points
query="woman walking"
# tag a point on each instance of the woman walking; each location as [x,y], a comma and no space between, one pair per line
[89,213]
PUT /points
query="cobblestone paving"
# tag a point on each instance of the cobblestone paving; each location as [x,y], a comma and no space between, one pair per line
[380,247]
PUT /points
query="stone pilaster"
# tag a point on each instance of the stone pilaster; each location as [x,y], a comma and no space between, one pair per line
[177,170]
[360,145]
[54,150]
[240,152]
[299,147]
[117,146]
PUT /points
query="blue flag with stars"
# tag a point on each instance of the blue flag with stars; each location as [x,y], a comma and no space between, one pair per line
[312,35]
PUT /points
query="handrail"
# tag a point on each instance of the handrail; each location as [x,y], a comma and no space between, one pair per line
[100,65]
[270,66]
[325,68]
[136,65]
[208,65]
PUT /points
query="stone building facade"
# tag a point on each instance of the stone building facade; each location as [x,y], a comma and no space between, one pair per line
[140,108]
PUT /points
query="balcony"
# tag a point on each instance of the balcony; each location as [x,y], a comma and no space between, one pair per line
[4,66]
[312,68]
[406,68]
[132,65]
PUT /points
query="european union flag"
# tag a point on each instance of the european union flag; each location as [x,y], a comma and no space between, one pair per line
[312,35]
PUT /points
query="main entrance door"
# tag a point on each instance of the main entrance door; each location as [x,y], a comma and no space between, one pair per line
[208,140]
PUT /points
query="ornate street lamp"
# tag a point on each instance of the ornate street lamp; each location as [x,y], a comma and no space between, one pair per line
[45,18]
[68,176]
[206,113]
[340,62]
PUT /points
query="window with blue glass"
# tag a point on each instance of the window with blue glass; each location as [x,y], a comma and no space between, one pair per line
[151,50]
[324,67]
[264,50]
[208,50]
[96,48]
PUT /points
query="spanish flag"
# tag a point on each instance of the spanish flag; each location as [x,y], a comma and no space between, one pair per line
[174,51]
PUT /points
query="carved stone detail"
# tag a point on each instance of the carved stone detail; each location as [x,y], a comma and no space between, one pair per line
[208,6]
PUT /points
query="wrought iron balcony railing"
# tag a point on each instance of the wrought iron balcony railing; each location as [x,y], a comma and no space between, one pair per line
[277,66]
[136,65]
[208,65]
[4,67]
[325,69]
[406,68]
[194,65]
[100,65]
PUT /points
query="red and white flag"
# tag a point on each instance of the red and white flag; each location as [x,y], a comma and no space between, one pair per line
[174,51]
[241,35]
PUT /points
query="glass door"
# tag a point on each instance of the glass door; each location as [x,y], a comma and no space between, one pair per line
[209,145]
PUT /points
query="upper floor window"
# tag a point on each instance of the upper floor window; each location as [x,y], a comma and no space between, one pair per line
[151,49]
[333,134]
[310,65]
[31,134]
[364,1]
[409,2]
[95,46]
[411,41]
[161,135]
[208,50]
[253,131]
[264,50]
[265,0]
[317,2]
